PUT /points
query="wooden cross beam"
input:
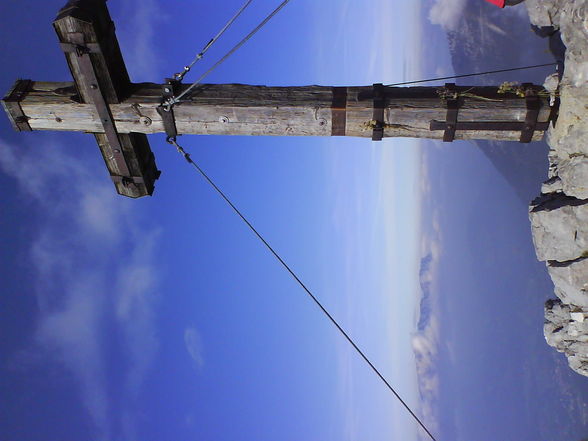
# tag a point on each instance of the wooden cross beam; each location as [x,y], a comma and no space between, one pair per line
[103,101]
[87,36]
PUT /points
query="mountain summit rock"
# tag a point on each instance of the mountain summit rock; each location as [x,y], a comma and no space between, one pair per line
[559,216]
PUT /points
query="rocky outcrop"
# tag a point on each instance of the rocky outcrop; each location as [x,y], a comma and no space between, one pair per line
[570,281]
[560,227]
[566,329]
[559,216]
[544,13]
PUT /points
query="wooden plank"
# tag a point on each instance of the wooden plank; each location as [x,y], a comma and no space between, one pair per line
[87,23]
[235,109]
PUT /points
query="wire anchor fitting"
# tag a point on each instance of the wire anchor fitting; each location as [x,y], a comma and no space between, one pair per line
[180,149]
[166,109]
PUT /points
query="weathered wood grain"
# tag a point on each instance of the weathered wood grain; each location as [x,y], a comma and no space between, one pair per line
[236,109]
[87,22]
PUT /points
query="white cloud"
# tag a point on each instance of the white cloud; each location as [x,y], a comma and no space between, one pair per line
[138,26]
[97,213]
[71,334]
[194,346]
[94,274]
[447,13]
[136,296]
[426,346]
[426,341]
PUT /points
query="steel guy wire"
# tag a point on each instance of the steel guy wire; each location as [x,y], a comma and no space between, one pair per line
[177,99]
[472,74]
[180,76]
[317,302]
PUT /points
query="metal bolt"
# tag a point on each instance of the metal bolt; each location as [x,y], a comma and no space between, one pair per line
[223,119]
[93,86]
[116,151]
[322,122]
[145,120]
[167,90]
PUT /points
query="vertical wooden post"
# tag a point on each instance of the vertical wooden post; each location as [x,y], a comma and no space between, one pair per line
[103,101]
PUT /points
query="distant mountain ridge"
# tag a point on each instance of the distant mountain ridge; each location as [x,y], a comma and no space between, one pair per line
[426,309]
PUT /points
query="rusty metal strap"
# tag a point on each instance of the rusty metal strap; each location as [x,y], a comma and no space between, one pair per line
[93,89]
[378,115]
[11,103]
[452,103]
[534,104]
[491,126]
[339,111]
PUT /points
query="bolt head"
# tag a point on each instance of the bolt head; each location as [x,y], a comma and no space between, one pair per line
[223,119]
[93,86]
[167,90]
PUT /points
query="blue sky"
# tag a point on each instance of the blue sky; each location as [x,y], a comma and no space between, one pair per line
[163,317]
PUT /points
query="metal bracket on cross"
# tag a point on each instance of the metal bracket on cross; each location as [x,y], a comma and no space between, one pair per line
[169,90]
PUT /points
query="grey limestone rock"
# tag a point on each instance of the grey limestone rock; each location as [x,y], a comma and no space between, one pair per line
[543,12]
[569,137]
[573,173]
[559,217]
[559,225]
[571,282]
[566,334]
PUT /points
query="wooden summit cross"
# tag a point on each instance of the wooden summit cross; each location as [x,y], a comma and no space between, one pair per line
[103,101]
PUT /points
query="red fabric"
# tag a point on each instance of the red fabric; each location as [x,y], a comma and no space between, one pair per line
[499,3]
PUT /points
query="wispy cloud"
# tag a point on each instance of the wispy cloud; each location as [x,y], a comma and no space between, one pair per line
[425,342]
[136,296]
[137,29]
[70,334]
[94,274]
[447,13]
[194,346]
